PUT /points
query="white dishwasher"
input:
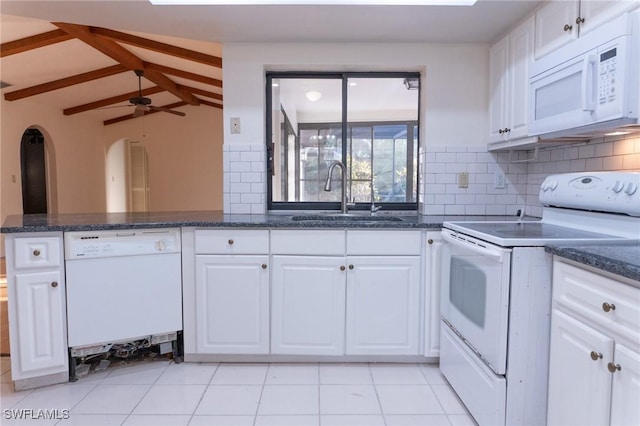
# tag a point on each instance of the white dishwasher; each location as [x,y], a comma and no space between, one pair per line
[122,286]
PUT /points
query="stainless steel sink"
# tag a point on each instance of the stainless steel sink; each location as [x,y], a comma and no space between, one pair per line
[347,217]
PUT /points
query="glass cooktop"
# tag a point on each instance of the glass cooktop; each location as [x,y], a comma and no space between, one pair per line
[512,234]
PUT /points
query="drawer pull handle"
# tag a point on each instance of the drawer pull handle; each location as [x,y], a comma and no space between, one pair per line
[36,252]
[608,307]
[54,284]
[230,242]
[342,268]
[596,355]
[264,266]
[613,367]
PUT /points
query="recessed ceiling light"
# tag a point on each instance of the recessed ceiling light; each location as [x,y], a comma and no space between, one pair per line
[313,95]
[318,2]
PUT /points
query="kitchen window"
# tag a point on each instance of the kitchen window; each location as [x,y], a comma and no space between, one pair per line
[368,121]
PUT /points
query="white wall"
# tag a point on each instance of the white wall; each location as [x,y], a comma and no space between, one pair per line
[453,105]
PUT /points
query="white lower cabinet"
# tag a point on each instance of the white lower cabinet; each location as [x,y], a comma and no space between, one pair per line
[307,304]
[232,304]
[433,268]
[37,309]
[383,309]
[594,365]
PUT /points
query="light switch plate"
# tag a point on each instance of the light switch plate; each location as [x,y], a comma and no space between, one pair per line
[463,180]
[235,125]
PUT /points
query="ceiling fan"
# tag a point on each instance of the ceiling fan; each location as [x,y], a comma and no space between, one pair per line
[143,104]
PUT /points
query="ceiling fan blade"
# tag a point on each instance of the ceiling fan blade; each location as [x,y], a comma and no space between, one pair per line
[155,108]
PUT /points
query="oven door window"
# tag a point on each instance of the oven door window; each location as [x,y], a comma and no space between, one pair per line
[475,297]
[468,290]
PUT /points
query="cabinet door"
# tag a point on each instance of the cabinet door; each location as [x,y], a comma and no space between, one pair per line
[432,294]
[383,306]
[579,385]
[232,304]
[41,318]
[625,409]
[597,12]
[520,58]
[307,305]
[550,30]
[498,87]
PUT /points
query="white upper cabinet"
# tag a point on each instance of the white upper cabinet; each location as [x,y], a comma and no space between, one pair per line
[509,61]
[561,21]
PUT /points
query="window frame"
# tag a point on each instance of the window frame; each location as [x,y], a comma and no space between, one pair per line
[344,77]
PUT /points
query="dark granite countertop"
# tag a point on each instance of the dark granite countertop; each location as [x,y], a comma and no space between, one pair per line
[621,258]
[217,219]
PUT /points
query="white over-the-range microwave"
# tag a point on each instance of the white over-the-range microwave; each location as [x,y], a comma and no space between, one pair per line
[591,86]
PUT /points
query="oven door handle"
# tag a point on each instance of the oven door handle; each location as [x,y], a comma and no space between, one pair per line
[488,251]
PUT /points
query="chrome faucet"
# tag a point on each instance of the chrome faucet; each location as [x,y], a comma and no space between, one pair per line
[327,185]
[374,208]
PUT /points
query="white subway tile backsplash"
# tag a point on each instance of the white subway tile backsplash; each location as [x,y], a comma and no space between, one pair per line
[445,157]
[624,147]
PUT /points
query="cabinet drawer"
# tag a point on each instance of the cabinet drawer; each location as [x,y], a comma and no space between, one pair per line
[383,243]
[232,241]
[37,252]
[307,242]
[598,298]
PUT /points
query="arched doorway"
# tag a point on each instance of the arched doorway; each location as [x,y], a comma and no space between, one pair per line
[33,165]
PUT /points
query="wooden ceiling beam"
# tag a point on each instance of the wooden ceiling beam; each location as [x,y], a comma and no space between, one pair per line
[126,58]
[184,74]
[110,101]
[206,93]
[33,42]
[157,46]
[130,116]
[212,104]
[65,82]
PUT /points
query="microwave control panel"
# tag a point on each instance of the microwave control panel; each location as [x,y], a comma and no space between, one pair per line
[607,66]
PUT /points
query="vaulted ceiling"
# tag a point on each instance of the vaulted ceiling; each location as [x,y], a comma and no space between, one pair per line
[90,70]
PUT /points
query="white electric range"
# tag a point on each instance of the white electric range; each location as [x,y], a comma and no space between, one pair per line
[496,291]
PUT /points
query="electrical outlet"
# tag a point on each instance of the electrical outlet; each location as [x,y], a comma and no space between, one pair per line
[235,125]
[500,180]
[463,180]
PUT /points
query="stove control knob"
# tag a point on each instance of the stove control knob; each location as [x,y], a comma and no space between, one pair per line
[553,185]
[545,185]
[631,188]
[617,187]
[160,245]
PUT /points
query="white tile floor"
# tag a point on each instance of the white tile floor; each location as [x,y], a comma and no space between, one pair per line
[165,393]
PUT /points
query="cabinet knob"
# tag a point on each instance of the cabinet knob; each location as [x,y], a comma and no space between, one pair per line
[507,130]
[230,242]
[608,307]
[595,355]
[264,266]
[613,367]
[501,131]
[54,284]
[429,241]
[568,27]
[342,268]
[36,252]
[579,20]
[350,266]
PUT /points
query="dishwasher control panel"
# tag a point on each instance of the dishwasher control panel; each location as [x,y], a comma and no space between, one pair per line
[95,244]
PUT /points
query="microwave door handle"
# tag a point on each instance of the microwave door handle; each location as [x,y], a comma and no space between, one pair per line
[491,252]
[588,94]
